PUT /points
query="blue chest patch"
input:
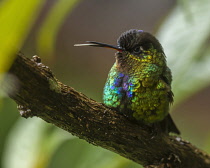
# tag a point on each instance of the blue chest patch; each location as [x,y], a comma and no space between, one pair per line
[122,85]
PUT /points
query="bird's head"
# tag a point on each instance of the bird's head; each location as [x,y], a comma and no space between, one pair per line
[135,48]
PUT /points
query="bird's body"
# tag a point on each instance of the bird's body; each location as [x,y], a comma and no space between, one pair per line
[139,83]
[145,98]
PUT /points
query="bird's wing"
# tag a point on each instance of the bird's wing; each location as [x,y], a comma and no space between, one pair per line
[167,78]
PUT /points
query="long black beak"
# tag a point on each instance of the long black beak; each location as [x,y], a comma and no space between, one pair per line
[98,44]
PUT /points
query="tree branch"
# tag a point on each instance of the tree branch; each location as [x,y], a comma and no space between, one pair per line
[41,94]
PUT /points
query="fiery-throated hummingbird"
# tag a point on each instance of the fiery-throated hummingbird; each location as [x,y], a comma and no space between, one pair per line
[139,83]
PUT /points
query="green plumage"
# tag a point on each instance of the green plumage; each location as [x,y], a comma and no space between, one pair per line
[147,99]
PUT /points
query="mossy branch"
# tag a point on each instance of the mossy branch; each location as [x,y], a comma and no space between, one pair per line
[40,94]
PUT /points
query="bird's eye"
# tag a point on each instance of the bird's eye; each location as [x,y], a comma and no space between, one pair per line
[137,50]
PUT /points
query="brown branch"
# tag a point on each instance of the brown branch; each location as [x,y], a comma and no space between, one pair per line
[41,94]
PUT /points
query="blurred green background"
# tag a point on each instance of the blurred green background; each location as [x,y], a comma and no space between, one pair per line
[50,28]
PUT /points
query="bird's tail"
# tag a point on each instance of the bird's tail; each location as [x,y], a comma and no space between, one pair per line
[168,125]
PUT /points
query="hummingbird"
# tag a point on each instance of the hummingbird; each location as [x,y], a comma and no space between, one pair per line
[139,82]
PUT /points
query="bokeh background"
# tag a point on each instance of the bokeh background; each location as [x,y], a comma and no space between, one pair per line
[50,28]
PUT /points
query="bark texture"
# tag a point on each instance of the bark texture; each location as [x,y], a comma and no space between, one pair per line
[40,94]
